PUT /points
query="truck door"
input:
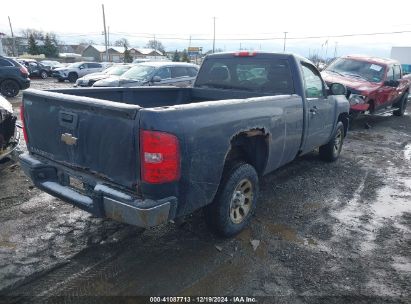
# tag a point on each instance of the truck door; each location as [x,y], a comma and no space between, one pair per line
[386,95]
[320,108]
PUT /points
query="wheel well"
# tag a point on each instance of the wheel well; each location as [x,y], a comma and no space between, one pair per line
[250,146]
[344,118]
[73,73]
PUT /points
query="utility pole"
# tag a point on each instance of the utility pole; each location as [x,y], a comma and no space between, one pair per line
[189,42]
[108,35]
[105,32]
[214,36]
[285,39]
[335,50]
[12,38]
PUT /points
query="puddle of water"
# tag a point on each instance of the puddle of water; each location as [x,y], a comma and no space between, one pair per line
[407,152]
[285,232]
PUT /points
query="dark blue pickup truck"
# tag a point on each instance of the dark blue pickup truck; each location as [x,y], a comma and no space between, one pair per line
[148,155]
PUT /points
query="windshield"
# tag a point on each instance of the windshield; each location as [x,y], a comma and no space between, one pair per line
[140,72]
[271,76]
[117,70]
[368,71]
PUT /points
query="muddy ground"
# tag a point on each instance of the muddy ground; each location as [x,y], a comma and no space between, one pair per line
[329,233]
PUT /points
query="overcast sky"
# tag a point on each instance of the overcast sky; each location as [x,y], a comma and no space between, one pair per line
[236,21]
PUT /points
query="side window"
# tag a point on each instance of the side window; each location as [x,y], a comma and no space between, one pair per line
[83,66]
[313,82]
[164,73]
[397,72]
[192,72]
[5,63]
[390,73]
[177,72]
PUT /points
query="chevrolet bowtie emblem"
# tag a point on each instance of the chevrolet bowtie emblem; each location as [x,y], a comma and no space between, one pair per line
[68,139]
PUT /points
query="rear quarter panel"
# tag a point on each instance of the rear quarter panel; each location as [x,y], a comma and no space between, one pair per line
[205,131]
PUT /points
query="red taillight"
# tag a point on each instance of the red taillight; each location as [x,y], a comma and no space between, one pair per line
[245,54]
[22,123]
[160,157]
[24,70]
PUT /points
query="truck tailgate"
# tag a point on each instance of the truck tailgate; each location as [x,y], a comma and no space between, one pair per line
[87,134]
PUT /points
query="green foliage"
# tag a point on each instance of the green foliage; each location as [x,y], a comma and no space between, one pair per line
[176,56]
[33,48]
[184,57]
[49,49]
[127,56]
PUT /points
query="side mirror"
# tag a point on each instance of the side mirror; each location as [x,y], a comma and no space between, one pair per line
[156,79]
[81,67]
[392,83]
[337,89]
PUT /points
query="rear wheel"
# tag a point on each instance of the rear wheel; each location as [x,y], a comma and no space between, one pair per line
[72,77]
[403,105]
[9,88]
[235,202]
[331,151]
[43,75]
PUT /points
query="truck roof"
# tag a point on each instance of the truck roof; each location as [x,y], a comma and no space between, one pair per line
[372,59]
[259,54]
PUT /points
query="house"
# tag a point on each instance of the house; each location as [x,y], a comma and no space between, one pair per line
[116,53]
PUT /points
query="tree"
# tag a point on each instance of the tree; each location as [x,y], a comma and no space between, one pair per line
[38,35]
[122,42]
[176,56]
[184,57]
[157,45]
[33,48]
[49,48]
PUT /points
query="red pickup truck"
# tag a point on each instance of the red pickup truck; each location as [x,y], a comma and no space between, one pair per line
[373,84]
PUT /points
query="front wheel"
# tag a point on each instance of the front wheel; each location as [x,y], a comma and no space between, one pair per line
[43,75]
[72,77]
[235,201]
[331,150]
[403,105]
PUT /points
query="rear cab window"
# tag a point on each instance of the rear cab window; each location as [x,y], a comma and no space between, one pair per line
[271,76]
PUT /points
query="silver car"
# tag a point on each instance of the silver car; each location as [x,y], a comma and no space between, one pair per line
[154,74]
[90,79]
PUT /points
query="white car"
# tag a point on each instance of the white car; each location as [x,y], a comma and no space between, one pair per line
[77,70]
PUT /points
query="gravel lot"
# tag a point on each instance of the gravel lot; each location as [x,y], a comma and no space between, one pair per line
[340,230]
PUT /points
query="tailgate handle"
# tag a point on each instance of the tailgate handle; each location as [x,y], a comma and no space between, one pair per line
[68,120]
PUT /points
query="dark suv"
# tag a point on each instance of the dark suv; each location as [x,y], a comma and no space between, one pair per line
[13,77]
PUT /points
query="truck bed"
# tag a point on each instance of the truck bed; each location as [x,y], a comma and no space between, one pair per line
[150,97]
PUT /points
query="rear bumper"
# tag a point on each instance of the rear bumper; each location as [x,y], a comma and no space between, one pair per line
[97,198]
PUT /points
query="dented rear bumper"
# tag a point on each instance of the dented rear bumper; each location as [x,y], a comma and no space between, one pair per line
[96,197]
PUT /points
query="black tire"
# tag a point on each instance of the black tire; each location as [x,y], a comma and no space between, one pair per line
[235,201]
[43,74]
[403,105]
[331,151]
[9,88]
[72,77]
